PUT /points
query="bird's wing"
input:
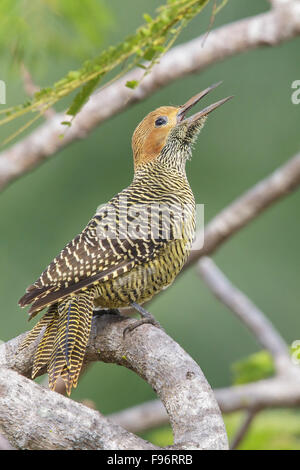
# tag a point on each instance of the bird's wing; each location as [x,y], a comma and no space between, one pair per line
[99,253]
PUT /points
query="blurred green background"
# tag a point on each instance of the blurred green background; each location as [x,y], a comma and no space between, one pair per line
[243,142]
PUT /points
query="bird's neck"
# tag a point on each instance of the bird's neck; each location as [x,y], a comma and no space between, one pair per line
[158,180]
[174,155]
[158,171]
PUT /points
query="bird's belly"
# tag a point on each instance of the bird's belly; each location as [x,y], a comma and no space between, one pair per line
[144,281]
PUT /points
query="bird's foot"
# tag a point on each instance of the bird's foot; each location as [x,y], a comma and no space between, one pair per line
[146,318]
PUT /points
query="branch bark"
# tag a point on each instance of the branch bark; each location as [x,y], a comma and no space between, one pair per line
[179,382]
[35,418]
[267,29]
[276,392]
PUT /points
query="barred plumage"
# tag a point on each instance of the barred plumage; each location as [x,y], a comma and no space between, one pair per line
[133,247]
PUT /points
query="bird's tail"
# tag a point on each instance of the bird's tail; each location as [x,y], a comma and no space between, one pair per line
[64,341]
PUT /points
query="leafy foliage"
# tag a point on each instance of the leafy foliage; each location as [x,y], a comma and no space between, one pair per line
[259,366]
[29,30]
[148,43]
[255,367]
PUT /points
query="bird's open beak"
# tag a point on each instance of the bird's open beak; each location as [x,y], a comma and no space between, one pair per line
[192,101]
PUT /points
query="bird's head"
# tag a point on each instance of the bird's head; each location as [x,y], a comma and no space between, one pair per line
[167,134]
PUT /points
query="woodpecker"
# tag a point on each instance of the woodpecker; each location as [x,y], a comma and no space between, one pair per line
[133,247]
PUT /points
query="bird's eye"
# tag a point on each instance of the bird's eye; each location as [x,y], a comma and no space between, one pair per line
[161,121]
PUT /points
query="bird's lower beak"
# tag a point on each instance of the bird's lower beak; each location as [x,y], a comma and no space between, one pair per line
[192,101]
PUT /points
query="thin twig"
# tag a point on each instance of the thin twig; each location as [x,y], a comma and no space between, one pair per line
[244,428]
[31,88]
[249,314]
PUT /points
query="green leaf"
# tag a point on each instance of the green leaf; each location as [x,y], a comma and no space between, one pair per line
[149,54]
[81,98]
[141,66]
[132,84]
[258,366]
[73,74]
[147,18]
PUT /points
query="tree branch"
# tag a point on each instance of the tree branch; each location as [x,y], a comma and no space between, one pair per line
[249,314]
[179,382]
[267,29]
[276,392]
[244,428]
[35,418]
[283,390]
[31,88]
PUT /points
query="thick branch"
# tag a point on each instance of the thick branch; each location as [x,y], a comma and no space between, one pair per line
[277,392]
[268,29]
[35,418]
[176,378]
[281,391]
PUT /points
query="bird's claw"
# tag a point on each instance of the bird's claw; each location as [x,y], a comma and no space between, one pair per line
[138,323]
[146,318]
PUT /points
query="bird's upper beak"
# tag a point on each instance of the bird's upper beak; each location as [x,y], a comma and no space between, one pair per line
[192,101]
